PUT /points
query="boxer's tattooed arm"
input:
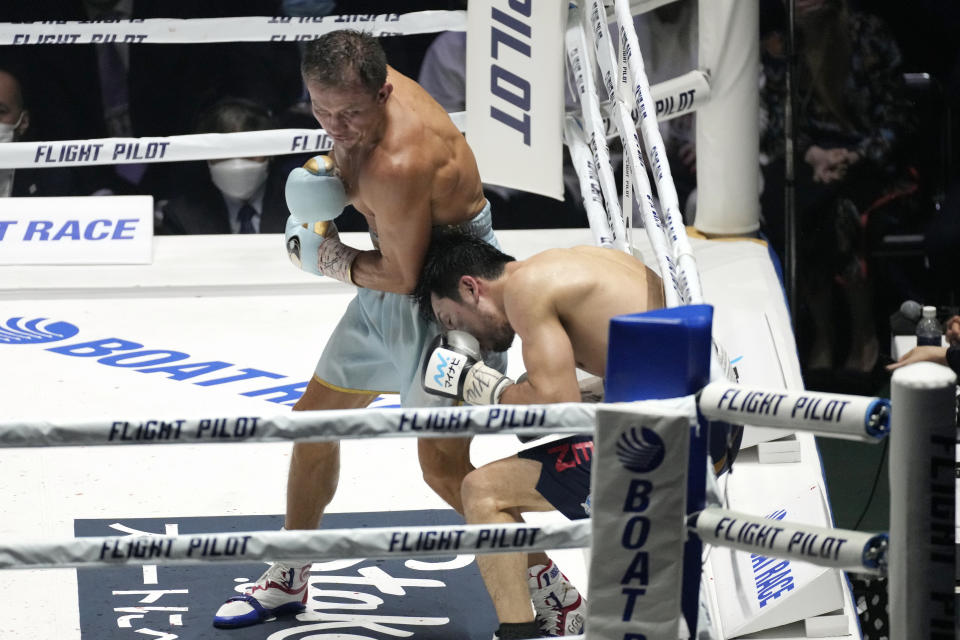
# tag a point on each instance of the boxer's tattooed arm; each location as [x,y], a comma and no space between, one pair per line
[334,259]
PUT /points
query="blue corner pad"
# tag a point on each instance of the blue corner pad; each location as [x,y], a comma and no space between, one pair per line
[659,354]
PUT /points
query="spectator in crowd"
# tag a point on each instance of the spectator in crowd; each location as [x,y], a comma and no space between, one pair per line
[948,356]
[14,123]
[444,70]
[851,117]
[236,195]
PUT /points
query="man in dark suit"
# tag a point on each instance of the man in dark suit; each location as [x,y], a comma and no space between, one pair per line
[236,195]
[44,183]
[14,123]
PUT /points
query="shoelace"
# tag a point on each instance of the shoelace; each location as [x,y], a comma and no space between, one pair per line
[280,575]
[550,618]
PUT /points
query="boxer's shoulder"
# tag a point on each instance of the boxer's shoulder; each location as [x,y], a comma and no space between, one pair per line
[532,276]
[528,296]
[395,170]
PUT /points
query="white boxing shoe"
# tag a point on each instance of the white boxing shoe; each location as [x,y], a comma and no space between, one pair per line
[280,590]
[559,607]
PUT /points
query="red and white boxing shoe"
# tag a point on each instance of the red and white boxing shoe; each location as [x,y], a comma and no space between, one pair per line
[559,607]
[280,590]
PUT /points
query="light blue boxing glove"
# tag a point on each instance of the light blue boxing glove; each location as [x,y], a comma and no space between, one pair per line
[315,196]
[315,192]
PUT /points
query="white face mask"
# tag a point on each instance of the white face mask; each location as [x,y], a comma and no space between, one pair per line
[8,131]
[238,178]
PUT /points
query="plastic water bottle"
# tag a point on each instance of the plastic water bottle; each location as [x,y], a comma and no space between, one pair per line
[928,329]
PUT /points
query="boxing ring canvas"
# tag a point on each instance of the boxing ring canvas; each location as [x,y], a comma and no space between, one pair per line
[224,324]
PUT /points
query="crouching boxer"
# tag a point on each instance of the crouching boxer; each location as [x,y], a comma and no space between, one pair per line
[560,303]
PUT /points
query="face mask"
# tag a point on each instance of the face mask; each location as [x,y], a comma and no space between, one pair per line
[307,8]
[8,131]
[238,178]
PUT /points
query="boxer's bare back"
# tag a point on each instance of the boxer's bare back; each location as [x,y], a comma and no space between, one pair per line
[582,288]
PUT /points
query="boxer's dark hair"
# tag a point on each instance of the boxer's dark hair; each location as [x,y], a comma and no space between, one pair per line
[344,58]
[453,254]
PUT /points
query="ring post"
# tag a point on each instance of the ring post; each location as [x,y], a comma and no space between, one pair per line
[728,139]
[657,355]
[922,508]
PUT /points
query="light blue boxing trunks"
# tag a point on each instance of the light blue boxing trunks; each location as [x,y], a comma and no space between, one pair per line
[378,344]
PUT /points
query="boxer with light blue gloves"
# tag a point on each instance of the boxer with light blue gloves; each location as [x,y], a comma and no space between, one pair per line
[315,196]
[401,162]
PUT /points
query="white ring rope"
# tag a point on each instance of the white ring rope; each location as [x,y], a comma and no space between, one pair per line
[201,146]
[303,545]
[590,190]
[581,65]
[640,92]
[673,98]
[822,546]
[639,188]
[639,184]
[627,90]
[211,146]
[831,414]
[314,426]
[836,548]
[826,547]
[579,53]
[237,29]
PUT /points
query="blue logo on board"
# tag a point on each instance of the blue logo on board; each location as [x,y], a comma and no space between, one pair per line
[20,331]
[641,453]
[172,364]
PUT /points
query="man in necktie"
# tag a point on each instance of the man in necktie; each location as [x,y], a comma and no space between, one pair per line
[246,216]
[235,195]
